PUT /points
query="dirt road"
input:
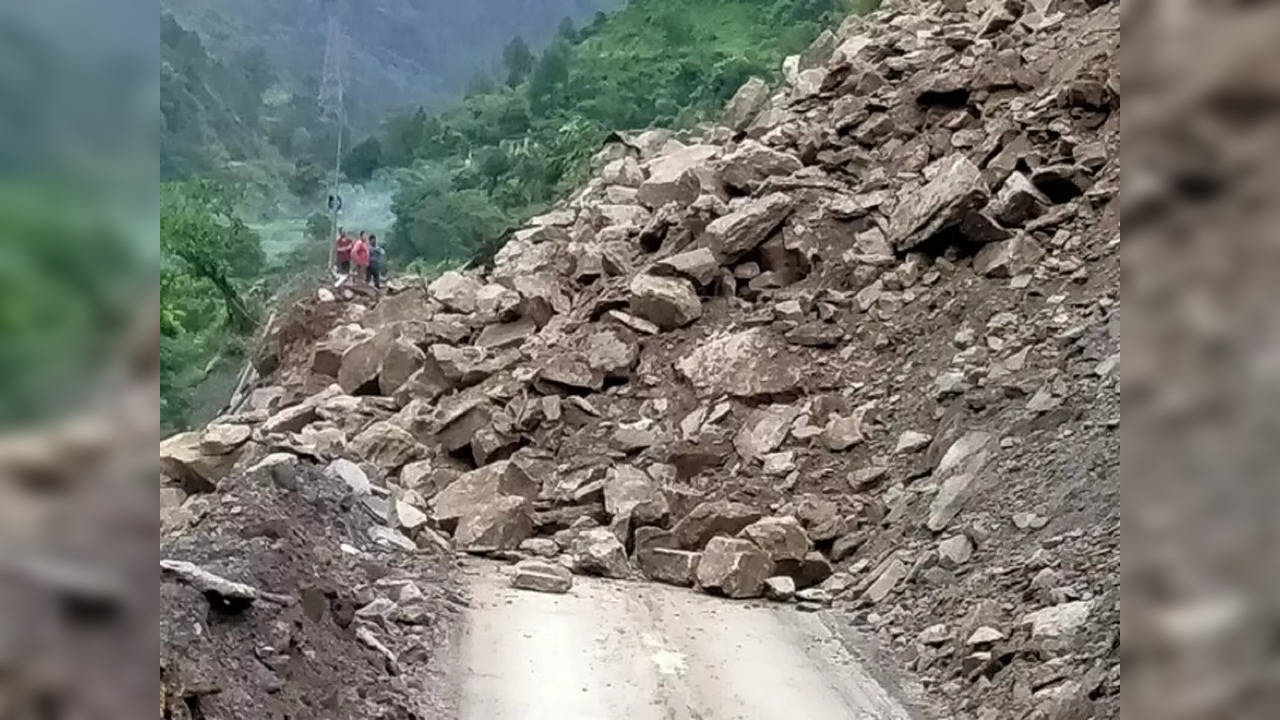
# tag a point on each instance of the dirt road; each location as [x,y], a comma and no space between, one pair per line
[613,650]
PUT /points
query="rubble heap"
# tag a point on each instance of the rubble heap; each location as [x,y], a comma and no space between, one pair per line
[854,348]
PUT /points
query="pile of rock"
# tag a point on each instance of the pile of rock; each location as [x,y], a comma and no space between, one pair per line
[857,345]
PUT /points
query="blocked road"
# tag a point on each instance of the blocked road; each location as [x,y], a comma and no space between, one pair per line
[611,650]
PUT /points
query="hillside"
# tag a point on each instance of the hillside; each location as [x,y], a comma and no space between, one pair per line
[851,350]
[402,53]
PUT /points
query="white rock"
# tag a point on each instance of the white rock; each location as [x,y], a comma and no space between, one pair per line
[912,441]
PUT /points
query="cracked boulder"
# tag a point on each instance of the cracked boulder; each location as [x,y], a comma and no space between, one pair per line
[955,191]
[734,568]
[669,303]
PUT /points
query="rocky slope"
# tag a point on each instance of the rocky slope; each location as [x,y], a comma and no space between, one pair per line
[856,347]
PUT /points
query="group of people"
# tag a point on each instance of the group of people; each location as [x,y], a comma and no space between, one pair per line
[361,254]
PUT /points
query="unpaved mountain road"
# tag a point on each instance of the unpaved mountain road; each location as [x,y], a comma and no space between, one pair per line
[612,650]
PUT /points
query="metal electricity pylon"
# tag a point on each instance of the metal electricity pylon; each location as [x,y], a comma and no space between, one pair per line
[333,109]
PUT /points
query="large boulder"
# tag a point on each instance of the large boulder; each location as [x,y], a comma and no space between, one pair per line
[674,567]
[223,439]
[387,447]
[195,471]
[745,168]
[956,475]
[455,291]
[598,551]
[541,576]
[763,431]
[669,303]
[361,363]
[709,519]
[472,490]
[291,419]
[699,265]
[674,177]
[746,364]
[611,352]
[401,360]
[630,492]
[734,568]
[782,538]
[500,523]
[956,190]
[624,172]
[743,230]
[326,358]
[750,99]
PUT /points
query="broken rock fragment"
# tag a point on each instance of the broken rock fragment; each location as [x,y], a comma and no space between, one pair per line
[666,565]
[734,568]
[669,303]
[956,190]
[541,576]
[711,518]
[500,523]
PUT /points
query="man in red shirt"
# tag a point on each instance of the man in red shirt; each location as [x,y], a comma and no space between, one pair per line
[342,250]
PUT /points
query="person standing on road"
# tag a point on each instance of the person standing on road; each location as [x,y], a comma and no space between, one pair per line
[377,258]
[342,251]
[360,256]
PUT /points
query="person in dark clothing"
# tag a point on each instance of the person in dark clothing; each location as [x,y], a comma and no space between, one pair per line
[377,258]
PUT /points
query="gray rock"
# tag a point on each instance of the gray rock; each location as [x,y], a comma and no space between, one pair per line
[763,430]
[673,178]
[746,167]
[669,303]
[624,171]
[542,547]
[699,265]
[955,551]
[223,439]
[746,364]
[709,519]
[387,447]
[1017,202]
[351,474]
[1058,621]
[780,588]
[744,229]
[912,441]
[474,489]
[782,538]
[956,190]
[500,523]
[541,576]
[958,468]
[630,492]
[675,567]
[599,552]
[733,568]
[890,574]
[455,291]
[746,103]
[842,432]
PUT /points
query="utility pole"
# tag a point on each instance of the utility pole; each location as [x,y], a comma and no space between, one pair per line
[333,109]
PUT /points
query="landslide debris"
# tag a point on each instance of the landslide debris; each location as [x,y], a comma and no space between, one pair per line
[855,349]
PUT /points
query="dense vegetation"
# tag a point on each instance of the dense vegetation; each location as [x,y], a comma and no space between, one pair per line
[522,138]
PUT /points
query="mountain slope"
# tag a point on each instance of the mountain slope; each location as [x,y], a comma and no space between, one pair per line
[402,53]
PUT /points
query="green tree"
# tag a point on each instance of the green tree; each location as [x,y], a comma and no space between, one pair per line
[306,180]
[566,30]
[200,229]
[518,60]
[363,159]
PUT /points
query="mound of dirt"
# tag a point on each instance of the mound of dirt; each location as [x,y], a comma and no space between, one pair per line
[314,650]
